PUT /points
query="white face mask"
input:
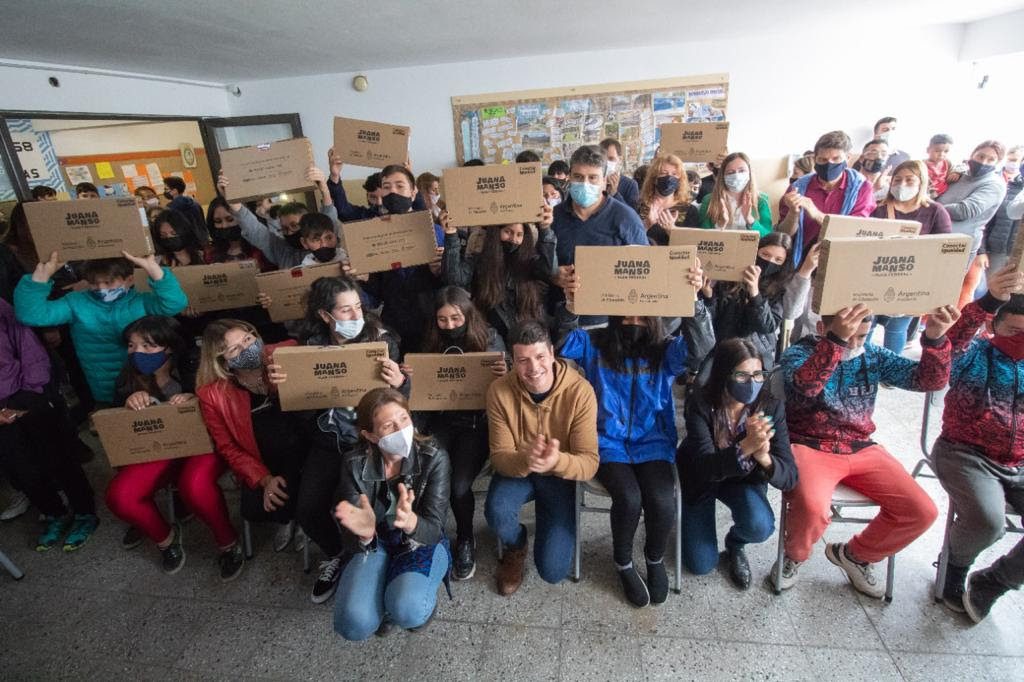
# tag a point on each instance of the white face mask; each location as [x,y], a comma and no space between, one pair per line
[612,167]
[852,353]
[397,444]
[553,201]
[152,201]
[434,198]
[737,182]
[904,192]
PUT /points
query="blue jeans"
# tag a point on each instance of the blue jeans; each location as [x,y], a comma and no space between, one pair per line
[555,500]
[752,517]
[895,332]
[364,598]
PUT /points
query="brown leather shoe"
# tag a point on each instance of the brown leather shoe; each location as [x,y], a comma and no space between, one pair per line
[510,570]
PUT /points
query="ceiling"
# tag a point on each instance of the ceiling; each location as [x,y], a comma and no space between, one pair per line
[214,40]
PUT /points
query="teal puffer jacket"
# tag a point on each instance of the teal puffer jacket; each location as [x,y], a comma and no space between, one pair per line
[96,326]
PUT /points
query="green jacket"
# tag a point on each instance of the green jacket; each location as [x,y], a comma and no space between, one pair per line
[764,214]
[96,326]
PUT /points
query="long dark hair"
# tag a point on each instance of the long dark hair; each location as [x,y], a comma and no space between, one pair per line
[323,295]
[614,351]
[476,337]
[158,330]
[220,246]
[728,355]
[184,228]
[493,270]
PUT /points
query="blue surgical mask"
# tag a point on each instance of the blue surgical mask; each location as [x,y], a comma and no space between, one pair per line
[737,182]
[585,194]
[109,295]
[745,393]
[349,329]
[148,363]
[251,357]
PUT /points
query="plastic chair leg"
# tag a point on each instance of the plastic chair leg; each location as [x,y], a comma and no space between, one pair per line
[15,572]
[576,568]
[247,539]
[781,554]
[942,565]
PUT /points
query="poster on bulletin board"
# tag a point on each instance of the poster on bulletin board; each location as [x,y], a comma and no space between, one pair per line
[554,122]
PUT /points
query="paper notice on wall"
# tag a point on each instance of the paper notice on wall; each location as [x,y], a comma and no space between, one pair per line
[156,178]
[104,171]
[78,174]
[129,171]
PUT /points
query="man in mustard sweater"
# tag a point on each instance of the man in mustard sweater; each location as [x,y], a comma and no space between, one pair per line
[533,413]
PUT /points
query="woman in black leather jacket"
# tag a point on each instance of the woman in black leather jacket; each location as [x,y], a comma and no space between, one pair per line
[394,500]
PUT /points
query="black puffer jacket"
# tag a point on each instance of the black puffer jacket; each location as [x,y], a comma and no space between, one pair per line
[1001,232]
[736,315]
[426,471]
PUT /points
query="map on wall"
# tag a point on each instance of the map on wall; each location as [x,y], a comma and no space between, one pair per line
[554,122]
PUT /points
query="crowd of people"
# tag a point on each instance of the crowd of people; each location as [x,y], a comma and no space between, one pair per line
[574,398]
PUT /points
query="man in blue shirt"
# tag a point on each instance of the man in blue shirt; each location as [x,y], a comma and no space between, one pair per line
[620,186]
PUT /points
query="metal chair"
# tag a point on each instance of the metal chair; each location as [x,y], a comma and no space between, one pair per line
[842,497]
[942,562]
[594,487]
[15,572]
[247,546]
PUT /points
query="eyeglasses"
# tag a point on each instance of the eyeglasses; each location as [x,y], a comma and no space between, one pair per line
[746,377]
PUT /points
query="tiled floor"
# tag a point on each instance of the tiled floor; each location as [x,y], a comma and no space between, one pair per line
[107,614]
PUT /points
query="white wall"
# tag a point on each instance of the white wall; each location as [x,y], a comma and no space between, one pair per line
[784,90]
[995,36]
[27,89]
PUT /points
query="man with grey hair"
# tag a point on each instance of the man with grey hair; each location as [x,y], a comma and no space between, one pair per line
[589,217]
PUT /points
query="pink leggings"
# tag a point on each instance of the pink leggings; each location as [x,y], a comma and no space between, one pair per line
[130,495]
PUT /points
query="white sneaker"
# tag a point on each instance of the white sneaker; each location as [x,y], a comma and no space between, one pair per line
[17,506]
[789,573]
[284,536]
[862,576]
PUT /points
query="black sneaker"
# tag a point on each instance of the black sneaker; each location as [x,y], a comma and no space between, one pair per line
[657,582]
[327,582]
[173,556]
[739,567]
[982,592]
[132,538]
[953,589]
[231,563]
[465,560]
[385,629]
[634,587]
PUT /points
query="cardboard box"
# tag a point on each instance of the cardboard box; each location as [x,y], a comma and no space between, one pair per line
[158,432]
[493,195]
[724,254]
[451,382]
[88,228]
[840,226]
[695,142]
[1017,252]
[328,376]
[390,242]
[287,289]
[895,277]
[635,280]
[266,169]
[366,143]
[218,286]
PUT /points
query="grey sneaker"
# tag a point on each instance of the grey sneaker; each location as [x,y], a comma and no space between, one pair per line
[284,536]
[861,575]
[16,506]
[790,569]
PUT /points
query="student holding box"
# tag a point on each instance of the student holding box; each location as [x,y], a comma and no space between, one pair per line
[158,371]
[334,317]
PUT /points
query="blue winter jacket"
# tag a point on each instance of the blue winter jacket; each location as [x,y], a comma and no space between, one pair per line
[96,326]
[636,417]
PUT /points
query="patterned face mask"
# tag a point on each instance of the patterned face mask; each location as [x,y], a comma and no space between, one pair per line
[251,357]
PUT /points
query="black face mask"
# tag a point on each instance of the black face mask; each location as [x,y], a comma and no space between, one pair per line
[172,244]
[227,234]
[666,185]
[294,239]
[979,169]
[509,248]
[168,195]
[632,334]
[325,254]
[453,334]
[767,267]
[873,165]
[829,172]
[396,203]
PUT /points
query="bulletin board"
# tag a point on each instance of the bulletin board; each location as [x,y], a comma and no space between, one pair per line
[120,174]
[554,122]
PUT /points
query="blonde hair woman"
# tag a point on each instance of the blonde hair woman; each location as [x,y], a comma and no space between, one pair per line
[734,202]
[664,196]
[264,446]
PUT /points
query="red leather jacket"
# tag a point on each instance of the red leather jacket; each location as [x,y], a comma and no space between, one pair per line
[227,412]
